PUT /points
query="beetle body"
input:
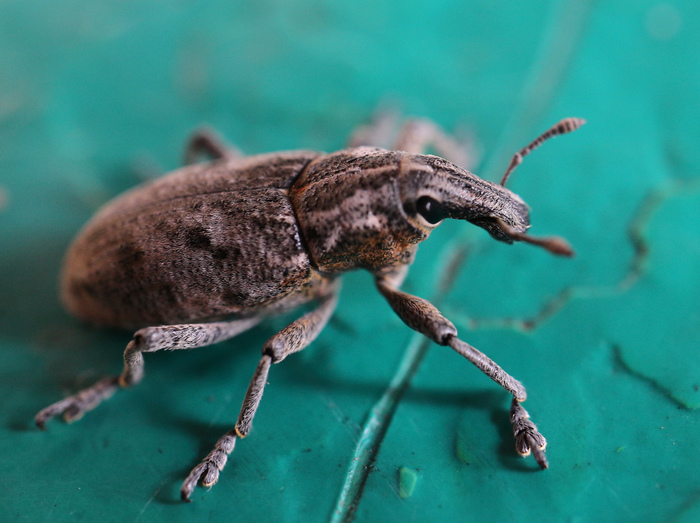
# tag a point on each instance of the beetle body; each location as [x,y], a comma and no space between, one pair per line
[205,253]
[205,242]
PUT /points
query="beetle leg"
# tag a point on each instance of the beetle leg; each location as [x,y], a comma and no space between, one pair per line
[380,132]
[206,142]
[393,277]
[422,316]
[150,339]
[417,135]
[293,338]
[73,407]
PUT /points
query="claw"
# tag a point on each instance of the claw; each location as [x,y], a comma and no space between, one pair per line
[527,438]
[208,470]
[211,475]
[190,483]
[74,407]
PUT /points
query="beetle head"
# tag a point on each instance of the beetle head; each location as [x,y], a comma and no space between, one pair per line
[433,189]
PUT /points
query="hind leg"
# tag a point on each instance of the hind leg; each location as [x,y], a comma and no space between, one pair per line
[150,339]
[206,142]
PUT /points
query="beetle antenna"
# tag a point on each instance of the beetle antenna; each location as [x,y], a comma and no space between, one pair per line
[566,125]
[554,244]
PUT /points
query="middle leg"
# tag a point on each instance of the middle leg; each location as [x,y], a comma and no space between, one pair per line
[293,338]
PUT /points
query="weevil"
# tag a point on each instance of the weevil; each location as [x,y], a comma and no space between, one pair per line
[207,252]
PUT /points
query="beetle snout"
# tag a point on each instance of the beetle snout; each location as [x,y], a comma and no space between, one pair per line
[506,222]
[511,222]
[502,213]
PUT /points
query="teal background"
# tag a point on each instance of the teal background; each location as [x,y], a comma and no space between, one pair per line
[97,96]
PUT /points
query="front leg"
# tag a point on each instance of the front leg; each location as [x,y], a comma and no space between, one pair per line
[415,136]
[422,316]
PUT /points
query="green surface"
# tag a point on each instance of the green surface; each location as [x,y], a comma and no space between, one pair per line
[95,96]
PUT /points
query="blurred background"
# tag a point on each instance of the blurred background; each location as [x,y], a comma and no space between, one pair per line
[96,97]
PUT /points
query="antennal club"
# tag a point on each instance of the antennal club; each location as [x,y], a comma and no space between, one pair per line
[566,125]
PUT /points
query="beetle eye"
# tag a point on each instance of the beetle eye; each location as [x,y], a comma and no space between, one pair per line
[430,209]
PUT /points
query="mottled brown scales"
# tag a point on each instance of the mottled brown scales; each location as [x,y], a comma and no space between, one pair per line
[205,253]
[143,261]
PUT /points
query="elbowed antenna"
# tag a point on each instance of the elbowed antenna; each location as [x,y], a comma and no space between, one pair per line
[554,244]
[566,125]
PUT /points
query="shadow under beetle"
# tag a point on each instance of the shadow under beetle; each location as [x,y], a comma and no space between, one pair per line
[207,252]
